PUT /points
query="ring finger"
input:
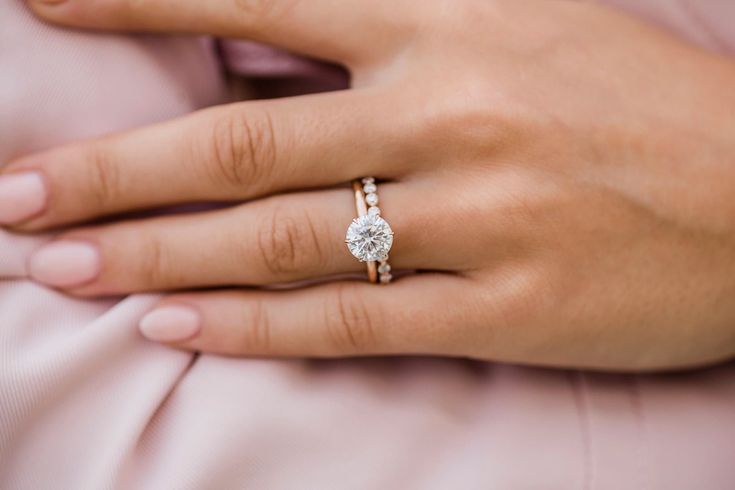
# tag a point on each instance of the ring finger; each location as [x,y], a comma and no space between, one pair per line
[275,240]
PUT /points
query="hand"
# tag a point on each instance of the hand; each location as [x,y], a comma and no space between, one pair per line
[562,176]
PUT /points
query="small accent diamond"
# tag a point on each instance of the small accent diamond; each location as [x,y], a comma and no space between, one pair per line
[374,211]
[384,268]
[370,188]
[386,278]
[368,180]
[371,199]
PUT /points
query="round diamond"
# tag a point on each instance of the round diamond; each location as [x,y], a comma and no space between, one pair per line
[370,188]
[369,238]
[374,210]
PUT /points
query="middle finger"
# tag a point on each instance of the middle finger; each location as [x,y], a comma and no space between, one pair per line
[235,152]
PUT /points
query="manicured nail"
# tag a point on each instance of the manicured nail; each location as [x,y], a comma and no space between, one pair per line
[22,195]
[171,324]
[65,263]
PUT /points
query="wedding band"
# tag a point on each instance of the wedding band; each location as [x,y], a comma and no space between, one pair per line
[369,236]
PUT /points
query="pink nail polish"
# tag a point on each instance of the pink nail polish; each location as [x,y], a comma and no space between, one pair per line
[22,195]
[65,263]
[173,323]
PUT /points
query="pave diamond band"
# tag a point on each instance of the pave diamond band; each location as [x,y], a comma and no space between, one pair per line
[369,237]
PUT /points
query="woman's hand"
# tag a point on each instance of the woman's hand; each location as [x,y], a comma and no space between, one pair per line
[561,173]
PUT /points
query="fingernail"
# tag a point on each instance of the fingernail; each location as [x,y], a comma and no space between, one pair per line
[22,195]
[65,263]
[170,324]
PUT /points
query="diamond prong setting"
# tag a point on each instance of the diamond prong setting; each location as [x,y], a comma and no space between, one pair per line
[369,238]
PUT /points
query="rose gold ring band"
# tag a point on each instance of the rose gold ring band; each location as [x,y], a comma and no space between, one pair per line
[366,202]
[362,210]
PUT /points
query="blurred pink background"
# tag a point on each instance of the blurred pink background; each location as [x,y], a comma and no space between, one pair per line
[86,403]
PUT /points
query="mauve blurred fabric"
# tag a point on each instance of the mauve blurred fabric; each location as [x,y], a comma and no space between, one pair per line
[86,403]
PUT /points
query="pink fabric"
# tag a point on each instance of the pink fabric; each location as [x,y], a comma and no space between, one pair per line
[274,73]
[708,23]
[86,403]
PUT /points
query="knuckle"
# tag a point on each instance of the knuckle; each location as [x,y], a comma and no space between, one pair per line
[155,262]
[242,149]
[523,296]
[478,128]
[257,327]
[104,177]
[288,243]
[350,324]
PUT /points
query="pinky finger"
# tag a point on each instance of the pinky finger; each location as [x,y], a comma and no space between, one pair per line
[414,315]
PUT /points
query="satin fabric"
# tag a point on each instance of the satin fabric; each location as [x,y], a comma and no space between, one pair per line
[86,403]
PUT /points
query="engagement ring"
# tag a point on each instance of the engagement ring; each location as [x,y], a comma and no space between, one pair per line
[370,237]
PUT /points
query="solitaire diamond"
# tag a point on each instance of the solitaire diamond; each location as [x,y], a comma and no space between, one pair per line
[369,238]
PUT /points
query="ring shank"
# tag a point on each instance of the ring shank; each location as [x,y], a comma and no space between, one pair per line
[362,210]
